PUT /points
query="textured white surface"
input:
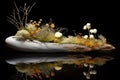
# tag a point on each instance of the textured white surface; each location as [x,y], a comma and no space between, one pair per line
[33,46]
[37,46]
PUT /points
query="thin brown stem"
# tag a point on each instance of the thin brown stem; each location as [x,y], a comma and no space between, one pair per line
[19,16]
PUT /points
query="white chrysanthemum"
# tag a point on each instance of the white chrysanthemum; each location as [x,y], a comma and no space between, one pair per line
[93,72]
[85,65]
[84,73]
[58,34]
[87,26]
[88,77]
[91,36]
[85,36]
[23,33]
[91,66]
[58,68]
[93,30]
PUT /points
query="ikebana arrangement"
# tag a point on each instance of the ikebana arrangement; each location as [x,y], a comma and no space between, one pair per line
[35,36]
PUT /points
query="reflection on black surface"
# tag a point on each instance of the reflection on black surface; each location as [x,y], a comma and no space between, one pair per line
[47,66]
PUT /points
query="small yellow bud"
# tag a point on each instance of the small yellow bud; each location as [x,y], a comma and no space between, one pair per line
[52,25]
[47,25]
[40,20]
[35,22]
[31,21]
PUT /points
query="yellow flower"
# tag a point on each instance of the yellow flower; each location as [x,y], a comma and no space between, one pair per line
[23,33]
[47,25]
[52,25]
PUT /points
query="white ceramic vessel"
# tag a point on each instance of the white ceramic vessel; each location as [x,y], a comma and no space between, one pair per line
[37,46]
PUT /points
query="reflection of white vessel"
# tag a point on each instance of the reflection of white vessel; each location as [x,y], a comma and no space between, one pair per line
[47,58]
[37,46]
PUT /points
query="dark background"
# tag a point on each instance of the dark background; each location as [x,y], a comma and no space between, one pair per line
[71,14]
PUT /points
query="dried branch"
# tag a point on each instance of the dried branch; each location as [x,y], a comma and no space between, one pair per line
[19,16]
[29,9]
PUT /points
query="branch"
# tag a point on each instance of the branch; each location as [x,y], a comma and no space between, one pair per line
[18,14]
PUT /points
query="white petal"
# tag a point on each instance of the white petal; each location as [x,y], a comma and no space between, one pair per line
[95,30]
[85,65]
[85,36]
[88,24]
[58,34]
[85,27]
[91,36]
[84,73]
[91,66]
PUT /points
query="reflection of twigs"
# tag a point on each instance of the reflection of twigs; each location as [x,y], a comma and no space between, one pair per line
[19,16]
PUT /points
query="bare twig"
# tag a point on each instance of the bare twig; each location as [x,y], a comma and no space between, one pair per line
[19,16]
[28,9]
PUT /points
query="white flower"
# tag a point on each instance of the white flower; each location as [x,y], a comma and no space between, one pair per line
[58,34]
[93,30]
[85,36]
[58,68]
[87,77]
[91,36]
[91,66]
[85,65]
[87,26]
[93,72]
[84,73]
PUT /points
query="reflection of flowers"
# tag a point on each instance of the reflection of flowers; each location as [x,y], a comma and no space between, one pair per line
[39,70]
[90,70]
[58,68]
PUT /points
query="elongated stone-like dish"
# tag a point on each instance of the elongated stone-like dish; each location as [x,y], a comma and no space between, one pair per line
[37,46]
